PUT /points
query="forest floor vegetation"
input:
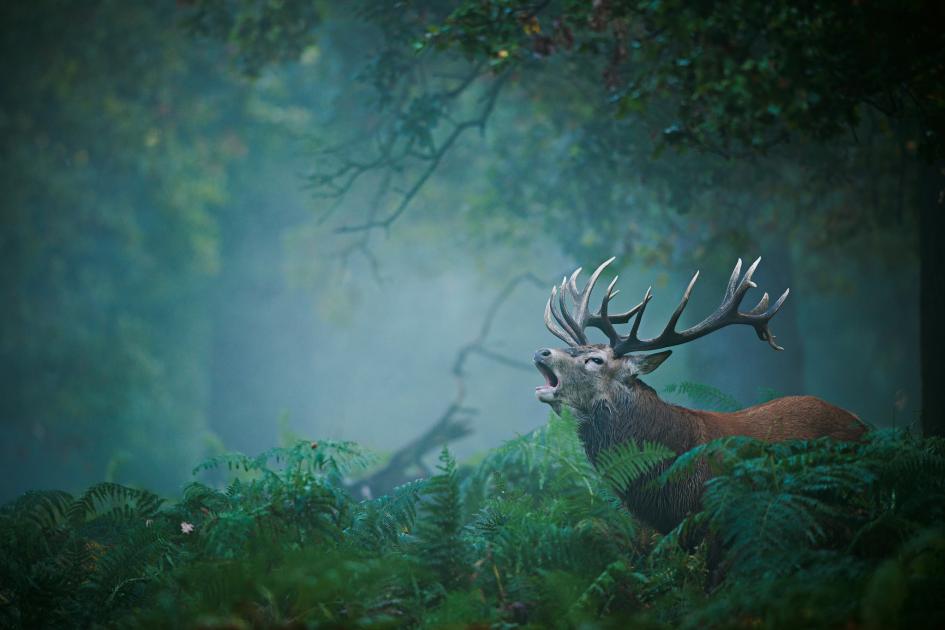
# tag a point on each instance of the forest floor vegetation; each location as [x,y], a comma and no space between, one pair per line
[816,534]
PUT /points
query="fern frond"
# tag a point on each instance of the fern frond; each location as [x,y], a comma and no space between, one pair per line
[704,396]
[624,463]
[599,594]
[383,521]
[44,509]
[441,523]
[114,501]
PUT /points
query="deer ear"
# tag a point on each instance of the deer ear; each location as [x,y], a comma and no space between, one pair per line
[646,363]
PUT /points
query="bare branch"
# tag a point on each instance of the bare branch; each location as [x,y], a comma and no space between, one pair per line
[454,422]
[394,157]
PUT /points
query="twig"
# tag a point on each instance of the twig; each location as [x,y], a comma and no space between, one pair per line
[433,159]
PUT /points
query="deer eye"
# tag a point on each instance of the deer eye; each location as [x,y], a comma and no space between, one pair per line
[596,360]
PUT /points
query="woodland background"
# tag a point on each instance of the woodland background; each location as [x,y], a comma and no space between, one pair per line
[260,260]
[230,223]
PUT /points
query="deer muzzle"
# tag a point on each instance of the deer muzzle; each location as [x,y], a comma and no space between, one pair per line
[546,393]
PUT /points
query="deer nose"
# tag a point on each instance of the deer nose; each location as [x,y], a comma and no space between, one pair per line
[544,353]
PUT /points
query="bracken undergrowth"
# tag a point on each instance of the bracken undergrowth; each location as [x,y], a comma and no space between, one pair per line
[815,534]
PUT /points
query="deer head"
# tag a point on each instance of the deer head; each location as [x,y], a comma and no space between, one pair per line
[584,374]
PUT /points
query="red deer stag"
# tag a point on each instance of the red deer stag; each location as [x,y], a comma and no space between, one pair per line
[601,384]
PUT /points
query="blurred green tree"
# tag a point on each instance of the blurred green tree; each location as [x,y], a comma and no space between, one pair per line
[113,171]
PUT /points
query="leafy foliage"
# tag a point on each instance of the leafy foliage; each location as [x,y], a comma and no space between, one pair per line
[622,464]
[439,533]
[821,511]
[69,561]
[739,72]
[815,533]
[263,32]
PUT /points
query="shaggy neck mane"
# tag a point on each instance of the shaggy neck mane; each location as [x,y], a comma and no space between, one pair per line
[636,412]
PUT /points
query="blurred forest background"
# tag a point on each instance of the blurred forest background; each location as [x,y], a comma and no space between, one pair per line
[225,223]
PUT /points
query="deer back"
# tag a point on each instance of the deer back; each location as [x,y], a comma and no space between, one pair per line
[788,418]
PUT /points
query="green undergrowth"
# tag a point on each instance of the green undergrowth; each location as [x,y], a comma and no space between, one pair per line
[816,534]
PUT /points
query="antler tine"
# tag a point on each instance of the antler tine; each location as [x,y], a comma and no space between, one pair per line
[674,318]
[727,314]
[582,298]
[556,311]
[552,326]
[560,321]
[736,272]
[622,318]
[603,322]
[610,293]
[572,325]
[636,322]
[764,333]
[746,282]
[572,285]
[777,305]
[761,306]
[597,320]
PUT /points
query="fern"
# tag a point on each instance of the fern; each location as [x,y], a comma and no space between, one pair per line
[44,509]
[114,501]
[383,522]
[441,524]
[602,592]
[623,464]
[327,458]
[704,396]
[550,456]
[814,533]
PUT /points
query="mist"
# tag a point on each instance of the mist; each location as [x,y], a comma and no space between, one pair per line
[293,334]
[211,304]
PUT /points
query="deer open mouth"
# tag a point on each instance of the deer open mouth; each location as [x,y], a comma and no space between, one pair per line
[546,392]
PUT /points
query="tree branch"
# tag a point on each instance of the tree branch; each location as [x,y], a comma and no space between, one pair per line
[392,158]
[454,422]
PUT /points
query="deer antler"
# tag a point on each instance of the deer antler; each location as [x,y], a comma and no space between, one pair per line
[571,328]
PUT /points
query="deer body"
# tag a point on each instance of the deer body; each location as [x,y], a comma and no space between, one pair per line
[601,384]
[637,413]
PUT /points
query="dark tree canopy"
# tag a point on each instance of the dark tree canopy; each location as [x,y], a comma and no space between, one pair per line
[738,75]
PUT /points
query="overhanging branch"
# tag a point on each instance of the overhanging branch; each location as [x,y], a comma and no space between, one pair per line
[399,151]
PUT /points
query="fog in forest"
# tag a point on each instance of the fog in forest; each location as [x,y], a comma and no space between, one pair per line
[179,279]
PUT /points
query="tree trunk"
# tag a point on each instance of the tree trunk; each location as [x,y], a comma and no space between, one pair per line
[932,298]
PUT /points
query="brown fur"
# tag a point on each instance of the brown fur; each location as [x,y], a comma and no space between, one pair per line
[613,406]
[788,418]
